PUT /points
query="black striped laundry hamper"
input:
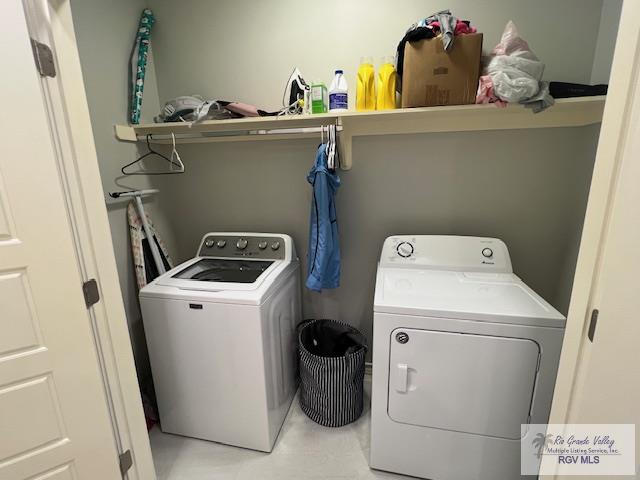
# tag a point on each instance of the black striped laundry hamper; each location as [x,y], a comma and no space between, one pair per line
[332,366]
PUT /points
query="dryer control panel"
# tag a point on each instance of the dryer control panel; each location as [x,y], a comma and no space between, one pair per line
[245,245]
[446,252]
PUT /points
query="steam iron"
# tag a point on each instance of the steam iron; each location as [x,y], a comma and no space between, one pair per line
[296,93]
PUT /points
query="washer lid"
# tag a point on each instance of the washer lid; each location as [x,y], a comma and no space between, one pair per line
[220,274]
[224,270]
[493,297]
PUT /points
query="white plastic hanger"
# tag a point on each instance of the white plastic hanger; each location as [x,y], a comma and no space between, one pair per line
[175,156]
[331,147]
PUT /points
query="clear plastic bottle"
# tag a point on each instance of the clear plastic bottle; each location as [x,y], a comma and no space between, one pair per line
[339,93]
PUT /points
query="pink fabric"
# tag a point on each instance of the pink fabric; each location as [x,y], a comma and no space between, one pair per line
[243,109]
[485,92]
[461,27]
[434,25]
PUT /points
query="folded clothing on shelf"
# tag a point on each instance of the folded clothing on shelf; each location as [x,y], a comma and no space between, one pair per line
[194,108]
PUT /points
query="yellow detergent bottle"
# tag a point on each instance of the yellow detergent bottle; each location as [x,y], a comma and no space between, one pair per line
[386,88]
[365,91]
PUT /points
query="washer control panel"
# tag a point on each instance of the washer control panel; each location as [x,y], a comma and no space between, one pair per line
[446,252]
[247,246]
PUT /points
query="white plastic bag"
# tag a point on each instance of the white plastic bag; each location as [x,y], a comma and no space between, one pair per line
[514,69]
[515,73]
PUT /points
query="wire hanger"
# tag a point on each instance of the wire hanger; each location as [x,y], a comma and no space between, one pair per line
[174,160]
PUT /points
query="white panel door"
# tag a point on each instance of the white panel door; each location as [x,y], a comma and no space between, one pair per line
[466,383]
[607,388]
[54,420]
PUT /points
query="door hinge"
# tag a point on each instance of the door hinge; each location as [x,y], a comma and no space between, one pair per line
[126,462]
[91,292]
[592,324]
[43,56]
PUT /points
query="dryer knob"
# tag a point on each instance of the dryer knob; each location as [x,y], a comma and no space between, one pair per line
[262,245]
[275,245]
[242,243]
[404,249]
[221,243]
[487,252]
[209,243]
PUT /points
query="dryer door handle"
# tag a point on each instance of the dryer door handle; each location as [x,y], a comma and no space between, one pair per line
[402,377]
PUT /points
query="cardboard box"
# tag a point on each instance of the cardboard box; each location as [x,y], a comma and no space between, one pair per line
[432,76]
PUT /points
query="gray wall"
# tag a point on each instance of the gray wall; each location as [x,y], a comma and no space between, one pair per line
[607,31]
[527,187]
[105,33]
[245,50]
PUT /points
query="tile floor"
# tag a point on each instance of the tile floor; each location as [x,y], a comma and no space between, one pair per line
[304,450]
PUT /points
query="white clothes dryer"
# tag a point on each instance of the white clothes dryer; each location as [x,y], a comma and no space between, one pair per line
[464,353]
[220,332]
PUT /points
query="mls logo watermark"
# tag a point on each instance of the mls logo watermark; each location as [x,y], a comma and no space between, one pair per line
[578,449]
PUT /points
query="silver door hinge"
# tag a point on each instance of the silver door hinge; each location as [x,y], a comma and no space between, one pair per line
[126,462]
[90,292]
[592,325]
[44,59]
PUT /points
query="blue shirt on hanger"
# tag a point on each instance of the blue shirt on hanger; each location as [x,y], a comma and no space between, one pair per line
[323,259]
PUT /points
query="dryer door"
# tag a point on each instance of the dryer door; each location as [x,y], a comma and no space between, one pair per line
[467,383]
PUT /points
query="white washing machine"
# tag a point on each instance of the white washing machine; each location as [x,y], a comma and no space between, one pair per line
[463,354]
[220,332]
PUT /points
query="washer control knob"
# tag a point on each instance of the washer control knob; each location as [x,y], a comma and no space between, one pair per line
[221,243]
[275,245]
[209,242]
[242,243]
[262,245]
[404,249]
[487,252]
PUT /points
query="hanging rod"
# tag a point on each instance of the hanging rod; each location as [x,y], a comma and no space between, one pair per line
[133,193]
[286,131]
[165,138]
